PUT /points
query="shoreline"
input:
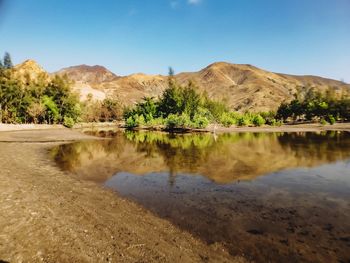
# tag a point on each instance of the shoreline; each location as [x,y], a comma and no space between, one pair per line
[32,128]
[49,216]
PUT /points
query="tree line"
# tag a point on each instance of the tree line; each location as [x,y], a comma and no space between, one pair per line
[47,100]
[324,107]
[183,106]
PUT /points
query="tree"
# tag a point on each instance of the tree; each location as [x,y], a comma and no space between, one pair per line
[111,109]
[7,61]
[36,110]
[52,112]
[284,112]
[190,100]
[171,72]
[171,100]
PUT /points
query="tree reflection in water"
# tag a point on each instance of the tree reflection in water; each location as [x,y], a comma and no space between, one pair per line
[227,158]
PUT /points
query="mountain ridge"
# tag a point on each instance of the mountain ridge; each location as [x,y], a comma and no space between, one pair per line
[244,87]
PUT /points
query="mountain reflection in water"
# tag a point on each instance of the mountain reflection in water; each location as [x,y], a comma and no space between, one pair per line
[223,159]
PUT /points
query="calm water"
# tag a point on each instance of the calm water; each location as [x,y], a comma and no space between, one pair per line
[271,197]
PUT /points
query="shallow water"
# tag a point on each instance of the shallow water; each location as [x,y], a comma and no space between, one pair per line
[270,197]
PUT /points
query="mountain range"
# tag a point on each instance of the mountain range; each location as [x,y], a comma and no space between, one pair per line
[242,87]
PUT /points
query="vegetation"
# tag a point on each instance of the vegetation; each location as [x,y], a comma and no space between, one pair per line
[316,106]
[50,100]
[184,107]
[46,100]
[178,107]
[35,101]
[107,110]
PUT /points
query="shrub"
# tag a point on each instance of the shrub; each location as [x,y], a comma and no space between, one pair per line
[258,120]
[178,121]
[227,120]
[244,120]
[139,120]
[270,117]
[68,122]
[155,122]
[275,122]
[200,122]
[323,122]
[130,123]
[331,119]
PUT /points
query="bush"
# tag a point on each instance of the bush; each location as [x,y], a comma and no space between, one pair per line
[258,120]
[178,121]
[323,122]
[270,117]
[227,120]
[200,122]
[130,123]
[275,122]
[331,119]
[244,120]
[68,122]
[139,120]
[155,122]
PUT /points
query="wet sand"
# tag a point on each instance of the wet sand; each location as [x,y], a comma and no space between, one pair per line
[310,127]
[48,216]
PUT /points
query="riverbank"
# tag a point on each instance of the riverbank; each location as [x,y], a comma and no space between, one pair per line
[44,134]
[309,127]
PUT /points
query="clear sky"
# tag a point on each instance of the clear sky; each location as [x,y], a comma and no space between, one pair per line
[129,36]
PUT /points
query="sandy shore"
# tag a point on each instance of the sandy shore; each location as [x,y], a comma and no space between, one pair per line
[44,135]
[21,127]
[48,216]
[314,127]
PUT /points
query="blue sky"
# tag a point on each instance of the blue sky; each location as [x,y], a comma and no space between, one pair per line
[128,36]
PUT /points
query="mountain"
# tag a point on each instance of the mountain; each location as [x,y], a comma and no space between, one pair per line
[245,87]
[93,75]
[29,69]
[242,87]
[89,80]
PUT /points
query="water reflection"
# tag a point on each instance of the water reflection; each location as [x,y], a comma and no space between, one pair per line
[274,197]
[227,158]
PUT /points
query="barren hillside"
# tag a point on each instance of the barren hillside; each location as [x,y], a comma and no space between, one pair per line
[243,87]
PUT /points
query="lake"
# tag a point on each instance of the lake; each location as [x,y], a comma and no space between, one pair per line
[280,197]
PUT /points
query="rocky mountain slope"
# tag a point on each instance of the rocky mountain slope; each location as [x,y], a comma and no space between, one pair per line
[243,87]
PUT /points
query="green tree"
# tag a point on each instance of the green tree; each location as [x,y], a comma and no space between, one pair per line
[7,61]
[171,101]
[190,100]
[52,111]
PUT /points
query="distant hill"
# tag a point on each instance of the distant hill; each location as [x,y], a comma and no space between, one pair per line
[243,87]
[89,74]
[29,69]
